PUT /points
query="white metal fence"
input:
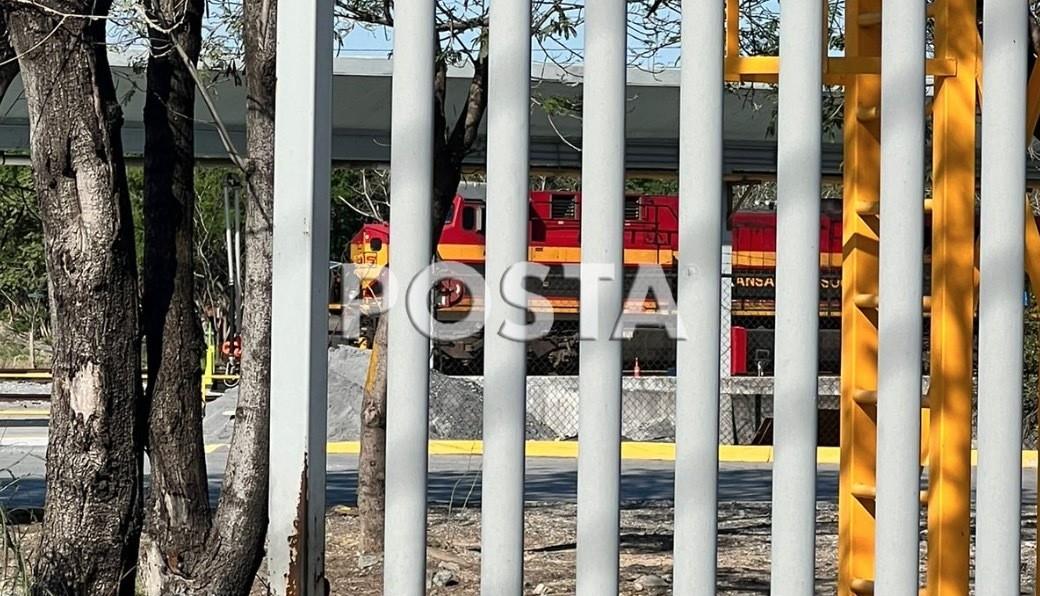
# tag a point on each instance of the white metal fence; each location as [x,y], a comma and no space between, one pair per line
[301,231]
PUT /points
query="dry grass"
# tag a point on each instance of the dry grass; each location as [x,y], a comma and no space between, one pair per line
[20,533]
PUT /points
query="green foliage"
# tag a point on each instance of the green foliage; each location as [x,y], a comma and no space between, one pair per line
[634,185]
[212,289]
[557,105]
[211,273]
[653,186]
[558,22]
[358,197]
[23,276]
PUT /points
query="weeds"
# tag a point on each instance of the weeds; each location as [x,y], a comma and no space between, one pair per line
[15,567]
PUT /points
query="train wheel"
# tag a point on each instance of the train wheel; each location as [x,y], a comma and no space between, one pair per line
[231,369]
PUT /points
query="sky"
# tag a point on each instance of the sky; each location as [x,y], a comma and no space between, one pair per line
[378,43]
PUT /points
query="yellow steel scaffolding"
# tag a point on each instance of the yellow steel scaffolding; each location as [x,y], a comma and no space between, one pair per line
[955,70]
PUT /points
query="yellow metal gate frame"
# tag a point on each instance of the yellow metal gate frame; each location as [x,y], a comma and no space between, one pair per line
[946,410]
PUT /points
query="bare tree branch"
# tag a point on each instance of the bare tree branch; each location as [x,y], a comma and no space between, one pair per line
[222,131]
[351,11]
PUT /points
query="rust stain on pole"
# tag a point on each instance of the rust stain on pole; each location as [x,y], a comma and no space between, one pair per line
[295,577]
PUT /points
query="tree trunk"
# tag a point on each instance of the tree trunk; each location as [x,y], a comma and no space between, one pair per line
[372,460]
[240,525]
[178,515]
[219,556]
[450,147]
[452,144]
[8,59]
[92,513]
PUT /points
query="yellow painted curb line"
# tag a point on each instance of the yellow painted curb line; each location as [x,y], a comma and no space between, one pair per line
[8,414]
[27,376]
[731,454]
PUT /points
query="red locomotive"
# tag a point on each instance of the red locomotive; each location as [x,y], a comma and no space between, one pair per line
[650,238]
[554,229]
[754,290]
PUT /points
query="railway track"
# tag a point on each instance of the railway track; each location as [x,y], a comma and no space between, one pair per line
[36,376]
[17,397]
[25,374]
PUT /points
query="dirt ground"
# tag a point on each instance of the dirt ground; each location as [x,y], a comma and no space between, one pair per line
[646,545]
[549,562]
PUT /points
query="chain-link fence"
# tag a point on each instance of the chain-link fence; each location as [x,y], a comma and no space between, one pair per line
[648,400]
[649,357]
[649,368]
[747,315]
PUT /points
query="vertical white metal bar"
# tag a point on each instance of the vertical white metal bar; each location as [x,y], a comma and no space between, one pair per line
[999,489]
[701,195]
[299,300]
[408,356]
[505,360]
[239,277]
[797,297]
[602,225]
[231,261]
[896,563]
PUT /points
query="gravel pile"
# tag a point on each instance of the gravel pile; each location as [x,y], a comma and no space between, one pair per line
[455,403]
[30,388]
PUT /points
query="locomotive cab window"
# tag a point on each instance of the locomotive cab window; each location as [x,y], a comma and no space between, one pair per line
[473,219]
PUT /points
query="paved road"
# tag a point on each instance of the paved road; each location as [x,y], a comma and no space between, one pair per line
[453,479]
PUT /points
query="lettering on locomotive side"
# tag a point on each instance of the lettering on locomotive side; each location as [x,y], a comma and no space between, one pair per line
[753,281]
[762,284]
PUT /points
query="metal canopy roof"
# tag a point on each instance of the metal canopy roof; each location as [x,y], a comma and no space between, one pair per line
[361,120]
